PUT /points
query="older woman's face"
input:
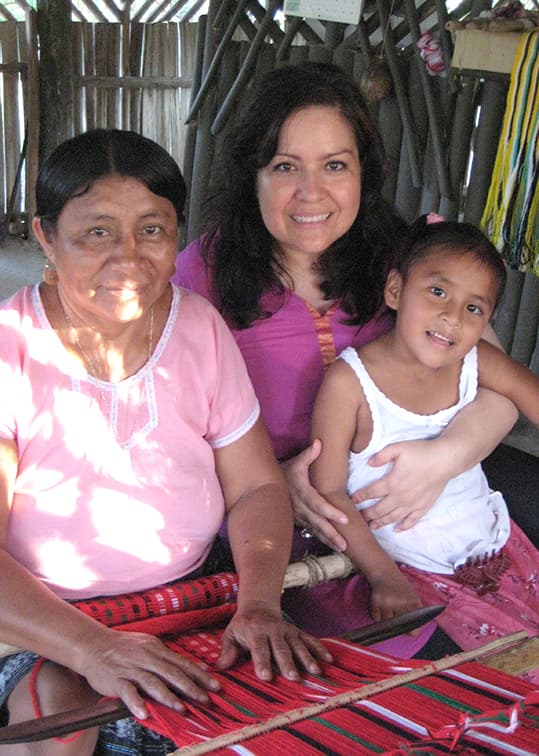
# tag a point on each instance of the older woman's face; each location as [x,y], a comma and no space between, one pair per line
[309,193]
[114,249]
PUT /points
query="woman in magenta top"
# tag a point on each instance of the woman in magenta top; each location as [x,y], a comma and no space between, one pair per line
[299,240]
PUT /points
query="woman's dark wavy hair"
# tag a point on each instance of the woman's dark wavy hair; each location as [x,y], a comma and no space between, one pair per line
[455,237]
[238,245]
[75,165]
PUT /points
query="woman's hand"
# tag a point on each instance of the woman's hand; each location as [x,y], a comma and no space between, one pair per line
[410,488]
[269,640]
[129,665]
[392,597]
[310,509]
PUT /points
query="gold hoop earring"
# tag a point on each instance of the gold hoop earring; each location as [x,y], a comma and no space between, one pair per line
[50,276]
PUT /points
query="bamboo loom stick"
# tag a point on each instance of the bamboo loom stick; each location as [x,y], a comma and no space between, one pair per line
[309,571]
[350,697]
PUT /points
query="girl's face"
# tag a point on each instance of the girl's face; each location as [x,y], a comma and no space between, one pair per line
[442,307]
[114,249]
[309,193]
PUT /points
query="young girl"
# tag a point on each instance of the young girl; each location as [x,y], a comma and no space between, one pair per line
[408,384]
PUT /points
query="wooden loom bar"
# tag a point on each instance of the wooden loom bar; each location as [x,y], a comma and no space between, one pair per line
[349,697]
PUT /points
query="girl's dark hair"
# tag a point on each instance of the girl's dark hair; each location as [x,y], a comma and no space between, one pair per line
[75,165]
[238,245]
[464,238]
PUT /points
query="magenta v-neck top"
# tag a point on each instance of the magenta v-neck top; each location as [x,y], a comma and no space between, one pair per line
[286,353]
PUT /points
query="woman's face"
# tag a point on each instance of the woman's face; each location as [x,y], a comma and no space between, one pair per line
[114,249]
[309,193]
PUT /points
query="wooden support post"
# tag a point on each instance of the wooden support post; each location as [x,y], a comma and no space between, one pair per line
[494,94]
[400,93]
[55,73]
[433,112]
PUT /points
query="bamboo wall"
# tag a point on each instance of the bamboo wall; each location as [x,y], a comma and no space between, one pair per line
[13,99]
[137,78]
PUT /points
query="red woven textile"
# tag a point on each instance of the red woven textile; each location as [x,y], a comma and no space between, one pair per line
[179,596]
[469,709]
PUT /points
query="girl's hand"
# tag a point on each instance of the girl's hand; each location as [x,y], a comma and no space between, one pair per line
[310,509]
[391,597]
[269,639]
[410,488]
[126,665]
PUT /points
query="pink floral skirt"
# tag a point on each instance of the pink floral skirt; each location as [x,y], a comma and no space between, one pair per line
[471,619]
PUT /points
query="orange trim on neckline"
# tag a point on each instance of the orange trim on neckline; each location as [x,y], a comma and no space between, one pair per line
[324,334]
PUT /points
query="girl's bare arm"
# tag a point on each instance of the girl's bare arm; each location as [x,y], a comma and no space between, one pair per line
[335,419]
[500,373]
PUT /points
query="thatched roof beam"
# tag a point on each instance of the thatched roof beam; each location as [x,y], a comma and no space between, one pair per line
[113,8]
[189,13]
[6,14]
[261,15]
[142,10]
[21,3]
[95,10]
[134,82]
[157,10]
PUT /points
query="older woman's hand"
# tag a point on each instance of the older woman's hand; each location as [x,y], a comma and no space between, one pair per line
[271,643]
[126,665]
[310,509]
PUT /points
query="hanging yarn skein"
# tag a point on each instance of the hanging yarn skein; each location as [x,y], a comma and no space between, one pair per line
[511,215]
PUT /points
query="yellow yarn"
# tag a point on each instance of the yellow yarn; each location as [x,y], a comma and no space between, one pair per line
[510,218]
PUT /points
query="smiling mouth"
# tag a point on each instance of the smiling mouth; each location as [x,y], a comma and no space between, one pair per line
[129,288]
[311,218]
[439,337]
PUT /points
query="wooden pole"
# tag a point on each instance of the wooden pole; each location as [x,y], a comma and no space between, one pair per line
[55,73]
[32,152]
[486,145]
[400,93]
[245,71]
[459,143]
[432,110]
[216,61]
[204,141]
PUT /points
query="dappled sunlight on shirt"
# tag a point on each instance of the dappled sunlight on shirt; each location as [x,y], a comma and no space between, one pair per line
[61,563]
[130,526]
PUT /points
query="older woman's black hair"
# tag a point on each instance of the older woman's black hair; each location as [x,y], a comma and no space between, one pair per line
[76,164]
[238,244]
[455,238]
